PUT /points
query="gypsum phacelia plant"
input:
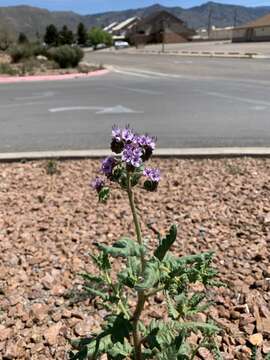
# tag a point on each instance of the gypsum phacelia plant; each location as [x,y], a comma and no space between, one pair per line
[144,274]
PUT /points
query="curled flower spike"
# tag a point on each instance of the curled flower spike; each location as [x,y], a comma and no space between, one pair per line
[107,165]
[152,174]
[116,133]
[98,184]
[117,144]
[153,178]
[127,135]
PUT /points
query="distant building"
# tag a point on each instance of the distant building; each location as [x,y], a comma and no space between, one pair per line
[216,34]
[160,27]
[258,30]
[221,33]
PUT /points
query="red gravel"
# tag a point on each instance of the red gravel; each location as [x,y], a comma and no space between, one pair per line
[48,224]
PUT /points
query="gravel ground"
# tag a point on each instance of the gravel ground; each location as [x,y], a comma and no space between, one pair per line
[48,224]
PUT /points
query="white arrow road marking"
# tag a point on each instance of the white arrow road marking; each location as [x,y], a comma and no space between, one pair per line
[118,109]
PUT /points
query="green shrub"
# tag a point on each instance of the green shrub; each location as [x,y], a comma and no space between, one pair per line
[66,56]
[7,69]
[20,52]
[25,51]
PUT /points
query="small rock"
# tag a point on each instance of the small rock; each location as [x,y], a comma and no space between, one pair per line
[5,333]
[42,58]
[39,312]
[51,334]
[256,339]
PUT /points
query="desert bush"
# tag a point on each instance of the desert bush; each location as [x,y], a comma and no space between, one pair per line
[20,52]
[144,274]
[7,69]
[66,56]
[25,51]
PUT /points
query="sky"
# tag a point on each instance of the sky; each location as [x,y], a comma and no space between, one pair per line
[95,6]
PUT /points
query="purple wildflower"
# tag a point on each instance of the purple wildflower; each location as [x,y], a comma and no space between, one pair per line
[146,141]
[116,133]
[148,144]
[98,184]
[152,174]
[132,155]
[127,135]
[108,165]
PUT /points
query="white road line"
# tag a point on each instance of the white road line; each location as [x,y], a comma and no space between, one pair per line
[133,74]
[117,109]
[138,90]
[75,108]
[15,105]
[145,73]
[237,98]
[37,96]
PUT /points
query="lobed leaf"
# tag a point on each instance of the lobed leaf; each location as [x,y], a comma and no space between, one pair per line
[166,243]
[124,247]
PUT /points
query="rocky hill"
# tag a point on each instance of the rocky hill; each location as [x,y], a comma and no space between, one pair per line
[32,21]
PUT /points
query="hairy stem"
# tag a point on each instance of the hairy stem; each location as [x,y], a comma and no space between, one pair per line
[141,296]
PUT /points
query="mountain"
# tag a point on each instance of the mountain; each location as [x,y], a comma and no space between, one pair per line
[32,20]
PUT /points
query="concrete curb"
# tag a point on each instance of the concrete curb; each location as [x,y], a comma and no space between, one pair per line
[177,153]
[19,79]
[211,54]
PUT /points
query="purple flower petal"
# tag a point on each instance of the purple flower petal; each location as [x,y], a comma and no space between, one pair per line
[108,165]
[98,184]
[152,174]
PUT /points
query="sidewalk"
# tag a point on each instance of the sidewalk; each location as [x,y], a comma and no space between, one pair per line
[205,49]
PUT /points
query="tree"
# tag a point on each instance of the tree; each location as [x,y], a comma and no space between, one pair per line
[22,38]
[81,34]
[98,36]
[66,36]
[51,36]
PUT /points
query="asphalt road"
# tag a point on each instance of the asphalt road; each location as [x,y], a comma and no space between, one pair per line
[186,102]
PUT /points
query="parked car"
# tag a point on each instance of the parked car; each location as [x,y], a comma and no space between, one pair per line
[121,44]
[100,46]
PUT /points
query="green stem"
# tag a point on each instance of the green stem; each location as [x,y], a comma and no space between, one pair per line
[141,296]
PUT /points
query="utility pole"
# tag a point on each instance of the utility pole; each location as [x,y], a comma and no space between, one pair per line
[235,18]
[209,21]
[163,36]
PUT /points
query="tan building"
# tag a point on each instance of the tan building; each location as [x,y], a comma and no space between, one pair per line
[258,30]
[160,27]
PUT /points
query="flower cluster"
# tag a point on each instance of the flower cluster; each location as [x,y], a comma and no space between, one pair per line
[132,151]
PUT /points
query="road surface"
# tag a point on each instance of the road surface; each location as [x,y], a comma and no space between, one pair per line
[186,102]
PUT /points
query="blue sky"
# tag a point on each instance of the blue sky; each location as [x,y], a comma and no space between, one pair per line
[94,6]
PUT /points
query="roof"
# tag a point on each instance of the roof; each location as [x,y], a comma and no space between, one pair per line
[109,27]
[262,21]
[124,24]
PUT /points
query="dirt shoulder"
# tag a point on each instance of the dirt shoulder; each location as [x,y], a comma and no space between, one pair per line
[48,224]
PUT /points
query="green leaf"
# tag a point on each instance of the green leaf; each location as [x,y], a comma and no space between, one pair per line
[129,275]
[92,278]
[122,349]
[124,247]
[102,261]
[151,276]
[173,313]
[103,195]
[95,292]
[166,243]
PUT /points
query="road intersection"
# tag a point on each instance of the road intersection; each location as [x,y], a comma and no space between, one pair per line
[185,102]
